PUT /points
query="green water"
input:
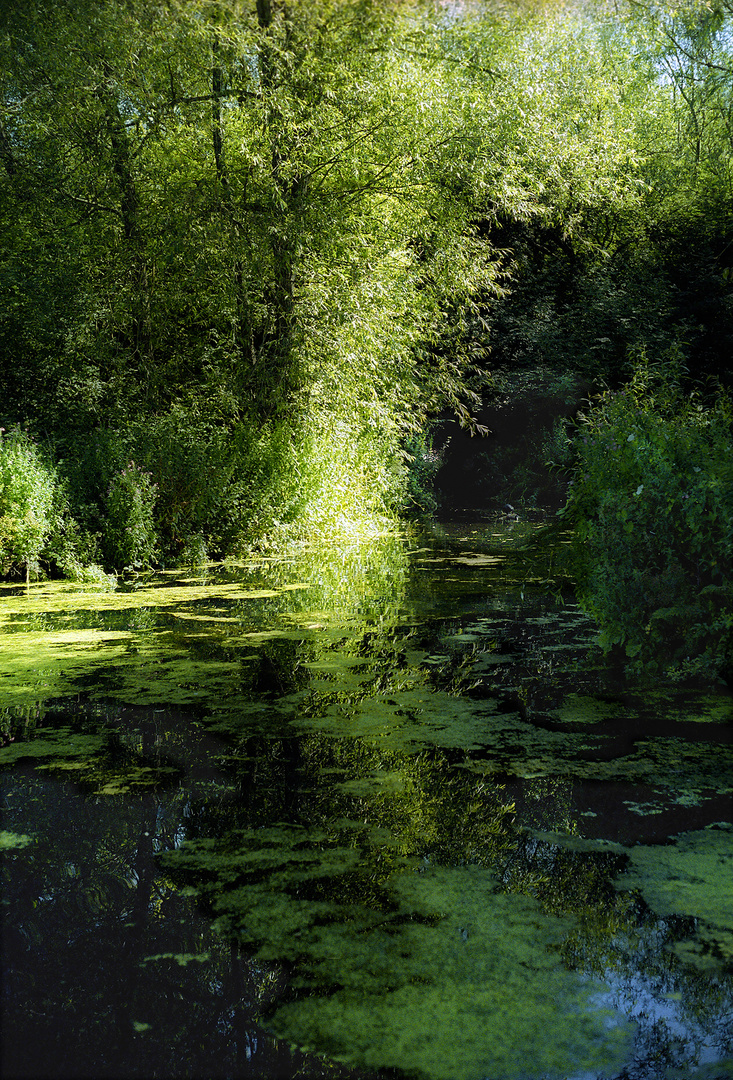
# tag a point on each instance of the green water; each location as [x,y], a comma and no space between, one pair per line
[371,811]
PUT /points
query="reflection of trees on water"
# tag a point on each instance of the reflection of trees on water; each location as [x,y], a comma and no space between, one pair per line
[683,1016]
[107,970]
[84,911]
[298,830]
[83,906]
[392,807]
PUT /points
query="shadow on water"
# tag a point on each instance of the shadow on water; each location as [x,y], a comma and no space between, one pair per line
[378,811]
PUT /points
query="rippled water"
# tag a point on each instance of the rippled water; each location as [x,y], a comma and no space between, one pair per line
[376,811]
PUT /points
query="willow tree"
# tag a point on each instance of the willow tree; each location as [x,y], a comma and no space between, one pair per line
[337,163]
[254,242]
[263,213]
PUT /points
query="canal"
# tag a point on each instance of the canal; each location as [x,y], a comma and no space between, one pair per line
[379,810]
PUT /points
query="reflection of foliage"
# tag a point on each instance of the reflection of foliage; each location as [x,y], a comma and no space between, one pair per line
[360,827]
[433,953]
[108,971]
[424,808]
[139,645]
[691,878]
[78,897]
[649,962]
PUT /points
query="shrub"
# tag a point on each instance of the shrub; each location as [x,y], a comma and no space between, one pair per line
[70,549]
[651,502]
[423,462]
[130,535]
[27,485]
[193,454]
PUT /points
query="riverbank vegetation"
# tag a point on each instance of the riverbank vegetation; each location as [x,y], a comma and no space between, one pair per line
[651,503]
[250,251]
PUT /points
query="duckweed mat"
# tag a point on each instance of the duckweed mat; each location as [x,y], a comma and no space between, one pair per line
[376,811]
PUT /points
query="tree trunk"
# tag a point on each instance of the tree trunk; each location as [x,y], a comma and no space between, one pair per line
[141,327]
[217,89]
[242,328]
[278,382]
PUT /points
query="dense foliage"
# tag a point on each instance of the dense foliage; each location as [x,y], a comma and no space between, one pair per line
[27,488]
[652,507]
[231,239]
[250,251]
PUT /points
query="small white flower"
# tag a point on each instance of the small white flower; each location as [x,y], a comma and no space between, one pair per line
[696,468]
[631,438]
[639,489]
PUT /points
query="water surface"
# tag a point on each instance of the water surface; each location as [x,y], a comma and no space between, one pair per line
[371,811]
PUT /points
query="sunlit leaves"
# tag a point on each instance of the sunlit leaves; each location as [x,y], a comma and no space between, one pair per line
[291,212]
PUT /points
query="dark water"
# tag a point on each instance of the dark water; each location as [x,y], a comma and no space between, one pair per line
[372,811]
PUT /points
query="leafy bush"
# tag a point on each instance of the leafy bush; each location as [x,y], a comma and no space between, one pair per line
[130,534]
[70,549]
[422,462]
[652,505]
[210,469]
[27,486]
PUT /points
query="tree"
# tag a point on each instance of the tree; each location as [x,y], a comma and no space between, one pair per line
[272,238]
[270,213]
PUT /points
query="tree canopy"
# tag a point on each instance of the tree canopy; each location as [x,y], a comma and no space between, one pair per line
[253,248]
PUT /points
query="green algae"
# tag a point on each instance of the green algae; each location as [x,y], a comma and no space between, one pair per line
[584,709]
[131,780]
[85,758]
[36,667]
[456,978]
[706,709]
[55,748]
[685,771]
[435,972]
[570,842]
[383,782]
[463,986]
[271,889]
[687,707]
[412,718]
[182,959]
[55,636]
[48,598]
[694,877]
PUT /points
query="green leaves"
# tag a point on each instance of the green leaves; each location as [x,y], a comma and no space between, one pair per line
[652,500]
[315,213]
[130,529]
[27,487]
